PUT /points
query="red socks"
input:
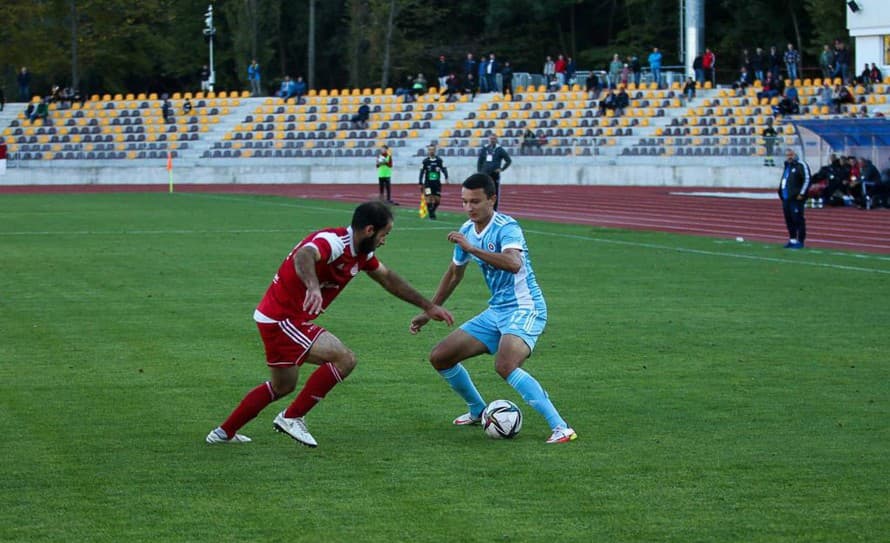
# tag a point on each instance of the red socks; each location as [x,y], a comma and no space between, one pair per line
[316,388]
[255,401]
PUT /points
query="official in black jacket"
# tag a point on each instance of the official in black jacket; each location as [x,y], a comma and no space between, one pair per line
[793,192]
[493,159]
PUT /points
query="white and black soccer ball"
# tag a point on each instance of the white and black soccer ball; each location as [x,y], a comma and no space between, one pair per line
[501,419]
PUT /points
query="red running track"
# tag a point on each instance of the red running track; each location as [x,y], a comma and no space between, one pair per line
[664,209]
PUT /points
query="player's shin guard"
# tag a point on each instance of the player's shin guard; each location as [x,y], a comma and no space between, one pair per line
[533,394]
[459,380]
[255,401]
[316,388]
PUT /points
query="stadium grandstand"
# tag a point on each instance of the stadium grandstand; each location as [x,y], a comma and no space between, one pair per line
[707,140]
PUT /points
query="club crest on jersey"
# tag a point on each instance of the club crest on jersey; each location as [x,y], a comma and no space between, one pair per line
[491,246]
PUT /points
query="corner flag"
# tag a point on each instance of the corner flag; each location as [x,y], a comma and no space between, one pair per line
[170,170]
[423,212]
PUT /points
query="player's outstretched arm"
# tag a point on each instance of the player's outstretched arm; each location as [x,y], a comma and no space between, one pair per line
[453,276]
[398,287]
[304,263]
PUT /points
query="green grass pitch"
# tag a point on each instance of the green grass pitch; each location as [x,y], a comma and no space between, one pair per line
[722,391]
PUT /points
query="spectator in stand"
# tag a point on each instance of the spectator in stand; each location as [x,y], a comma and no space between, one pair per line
[2,98]
[24,81]
[709,63]
[452,88]
[549,71]
[636,69]
[530,141]
[442,73]
[774,61]
[689,89]
[205,78]
[789,104]
[865,77]
[826,61]
[655,66]
[758,63]
[186,106]
[559,68]
[792,62]
[360,119]
[745,60]
[254,77]
[841,96]
[406,90]
[469,66]
[622,101]
[743,80]
[481,71]
[287,88]
[825,94]
[299,89]
[507,79]
[841,61]
[470,86]
[570,70]
[593,86]
[167,111]
[491,73]
[615,68]
[699,69]
[874,74]
[418,88]
[41,111]
[624,78]
[608,102]
[771,87]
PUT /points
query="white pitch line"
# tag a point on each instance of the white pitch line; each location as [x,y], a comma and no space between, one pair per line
[728,255]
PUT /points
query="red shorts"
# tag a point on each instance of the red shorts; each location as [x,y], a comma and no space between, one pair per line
[287,343]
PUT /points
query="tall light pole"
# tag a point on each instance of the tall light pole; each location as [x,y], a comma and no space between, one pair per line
[209,31]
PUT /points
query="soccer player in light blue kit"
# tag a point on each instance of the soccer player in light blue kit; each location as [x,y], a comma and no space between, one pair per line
[516,313]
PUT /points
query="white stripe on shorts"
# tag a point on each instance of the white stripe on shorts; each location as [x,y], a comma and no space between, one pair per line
[292,332]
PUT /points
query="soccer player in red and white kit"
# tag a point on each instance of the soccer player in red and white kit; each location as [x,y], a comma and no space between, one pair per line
[309,279]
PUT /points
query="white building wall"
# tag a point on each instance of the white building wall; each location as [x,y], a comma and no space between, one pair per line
[868,26]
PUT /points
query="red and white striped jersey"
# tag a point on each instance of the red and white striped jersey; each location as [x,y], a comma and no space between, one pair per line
[338,264]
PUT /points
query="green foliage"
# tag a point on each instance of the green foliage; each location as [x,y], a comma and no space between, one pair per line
[157,45]
[721,391]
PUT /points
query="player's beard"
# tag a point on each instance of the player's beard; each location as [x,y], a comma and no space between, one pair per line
[367,245]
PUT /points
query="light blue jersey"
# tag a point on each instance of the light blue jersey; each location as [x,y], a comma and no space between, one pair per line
[508,290]
[516,305]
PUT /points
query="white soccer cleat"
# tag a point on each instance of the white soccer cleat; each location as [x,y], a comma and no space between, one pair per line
[467,419]
[296,428]
[562,435]
[217,437]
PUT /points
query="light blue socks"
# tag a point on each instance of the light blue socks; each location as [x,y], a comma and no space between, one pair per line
[534,395]
[459,380]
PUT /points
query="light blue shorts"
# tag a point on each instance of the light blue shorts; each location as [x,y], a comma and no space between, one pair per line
[490,325]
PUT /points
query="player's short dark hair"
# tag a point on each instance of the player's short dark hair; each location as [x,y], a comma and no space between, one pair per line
[480,181]
[374,213]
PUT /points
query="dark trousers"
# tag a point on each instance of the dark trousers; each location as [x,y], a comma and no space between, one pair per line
[794,219]
[385,185]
